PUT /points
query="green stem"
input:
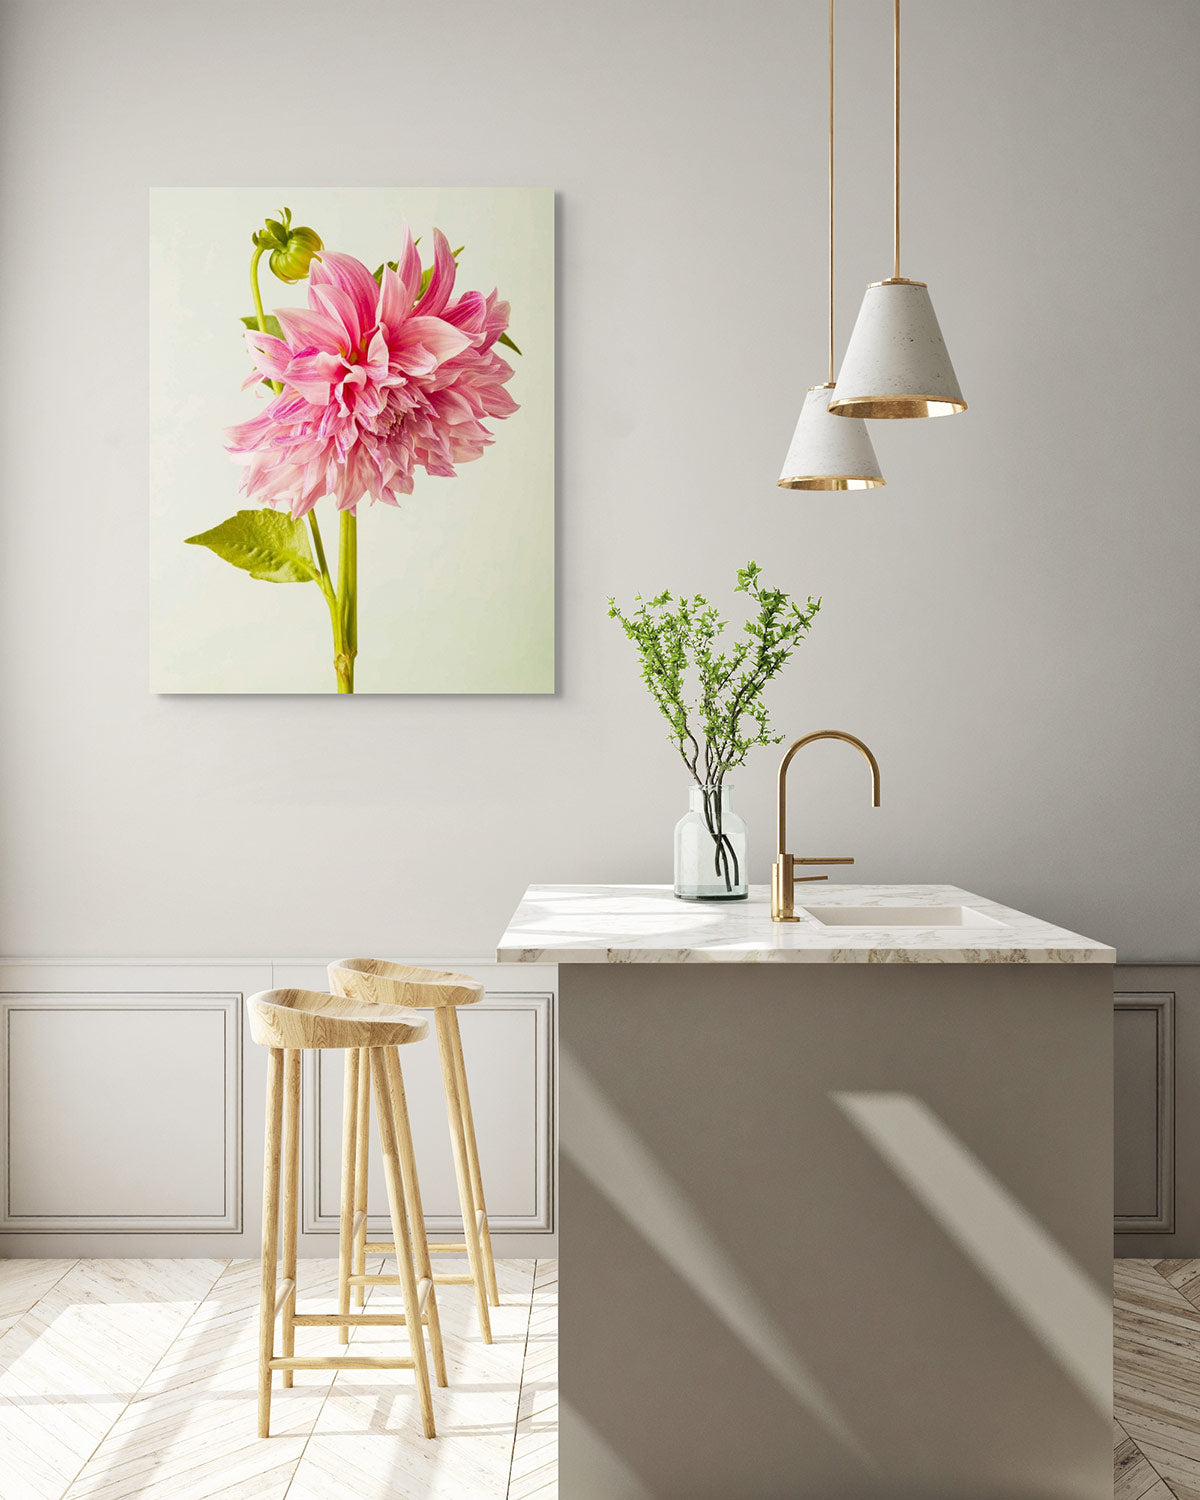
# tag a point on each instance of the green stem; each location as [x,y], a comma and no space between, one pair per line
[325,581]
[319,549]
[347,594]
[275,385]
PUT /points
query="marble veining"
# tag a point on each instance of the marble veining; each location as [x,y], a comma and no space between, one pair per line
[645,924]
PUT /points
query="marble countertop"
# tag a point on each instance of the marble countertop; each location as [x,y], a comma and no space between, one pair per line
[645,924]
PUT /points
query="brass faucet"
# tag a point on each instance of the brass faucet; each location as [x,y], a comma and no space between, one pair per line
[783,871]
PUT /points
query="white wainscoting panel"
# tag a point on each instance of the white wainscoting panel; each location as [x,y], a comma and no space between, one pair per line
[123,1112]
[123,1083]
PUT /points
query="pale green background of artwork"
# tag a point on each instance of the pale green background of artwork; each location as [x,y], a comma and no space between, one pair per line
[456,587]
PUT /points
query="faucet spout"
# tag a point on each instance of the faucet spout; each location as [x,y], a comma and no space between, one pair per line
[783,875]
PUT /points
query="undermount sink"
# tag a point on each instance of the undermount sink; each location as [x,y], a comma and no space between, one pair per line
[899,916]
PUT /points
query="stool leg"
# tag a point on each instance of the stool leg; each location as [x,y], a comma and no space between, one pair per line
[464,1097]
[416,1213]
[270,1238]
[461,1169]
[362,1150]
[291,1197]
[349,1184]
[400,1230]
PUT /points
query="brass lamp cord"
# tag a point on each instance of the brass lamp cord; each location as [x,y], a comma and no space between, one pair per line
[830,192]
[896,142]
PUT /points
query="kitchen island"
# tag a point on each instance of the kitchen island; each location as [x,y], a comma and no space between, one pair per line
[835,1201]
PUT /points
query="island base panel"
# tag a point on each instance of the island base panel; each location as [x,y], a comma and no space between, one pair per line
[839,1232]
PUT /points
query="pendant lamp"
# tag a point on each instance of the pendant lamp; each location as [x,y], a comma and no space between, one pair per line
[896,364]
[824,454]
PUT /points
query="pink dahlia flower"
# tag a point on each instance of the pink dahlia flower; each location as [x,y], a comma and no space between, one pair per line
[377,380]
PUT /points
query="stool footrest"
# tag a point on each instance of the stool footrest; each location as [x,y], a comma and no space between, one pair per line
[424,1287]
[356,1320]
[340,1362]
[436,1247]
[373,1280]
[287,1290]
[442,1279]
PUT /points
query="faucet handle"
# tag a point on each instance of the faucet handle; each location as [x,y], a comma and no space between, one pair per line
[784,879]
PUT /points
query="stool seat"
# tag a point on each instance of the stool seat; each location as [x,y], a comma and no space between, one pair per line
[305,1019]
[386,983]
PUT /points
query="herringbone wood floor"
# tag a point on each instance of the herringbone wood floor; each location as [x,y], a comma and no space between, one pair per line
[136,1378]
[1156,1380]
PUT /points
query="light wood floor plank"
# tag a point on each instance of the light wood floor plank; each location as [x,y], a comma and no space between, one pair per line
[73,1362]
[534,1472]
[1132,1473]
[187,1434]
[1156,1380]
[1180,1273]
[25,1282]
[124,1379]
[476,1415]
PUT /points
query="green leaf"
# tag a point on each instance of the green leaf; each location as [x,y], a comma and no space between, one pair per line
[270,320]
[268,544]
[508,343]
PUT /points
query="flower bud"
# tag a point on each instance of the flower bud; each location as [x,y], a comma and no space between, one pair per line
[292,261]
[292,247]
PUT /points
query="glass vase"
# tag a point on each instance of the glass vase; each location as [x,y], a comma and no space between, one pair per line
[710,848]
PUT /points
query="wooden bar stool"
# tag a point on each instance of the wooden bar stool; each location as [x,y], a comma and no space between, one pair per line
[290,1022]
[376,981]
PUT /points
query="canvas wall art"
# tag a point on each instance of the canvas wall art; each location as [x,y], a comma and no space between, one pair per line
[352,440]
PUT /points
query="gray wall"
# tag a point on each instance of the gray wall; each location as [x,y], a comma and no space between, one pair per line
[1010,624]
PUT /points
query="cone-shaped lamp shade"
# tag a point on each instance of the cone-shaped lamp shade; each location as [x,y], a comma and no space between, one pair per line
[896,363]
[827,454]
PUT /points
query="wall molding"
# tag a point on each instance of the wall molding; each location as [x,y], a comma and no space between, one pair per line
[235,1121]
[1161,1005]
[228,1006]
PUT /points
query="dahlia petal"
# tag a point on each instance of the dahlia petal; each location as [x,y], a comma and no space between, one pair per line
[394,302]
[500,403]
[340,307]
[314,363]
[351,277]
[270,354]
[305,329]
[468,312]
[409,270]
[497,314]
[377,356]
[424,342]
[441,283]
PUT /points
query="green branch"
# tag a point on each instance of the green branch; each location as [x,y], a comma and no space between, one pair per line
[693,683]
